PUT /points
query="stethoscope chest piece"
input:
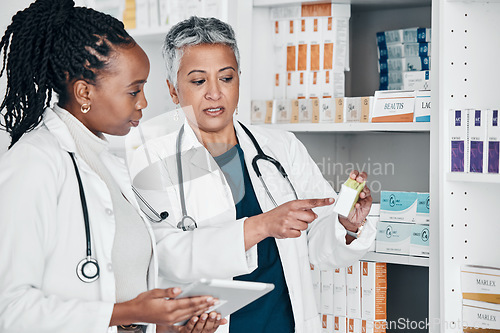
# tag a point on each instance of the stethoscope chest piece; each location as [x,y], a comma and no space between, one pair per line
[88,270]
[187,223]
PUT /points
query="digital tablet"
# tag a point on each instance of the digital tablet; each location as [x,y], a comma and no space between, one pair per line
[232,294]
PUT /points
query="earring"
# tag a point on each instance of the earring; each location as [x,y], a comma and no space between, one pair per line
[85,108]
[176,115]
[236,111]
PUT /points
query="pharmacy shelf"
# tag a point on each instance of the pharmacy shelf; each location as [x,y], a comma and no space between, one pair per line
[396,259]
[352,127]
[473,177]
[379,3]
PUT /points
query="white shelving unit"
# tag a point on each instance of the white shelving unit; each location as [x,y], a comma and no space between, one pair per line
[396,259]
[352,127]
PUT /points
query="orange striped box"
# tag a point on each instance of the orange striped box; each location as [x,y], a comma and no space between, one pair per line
[353,325]
[340,292]
[374,290]
[353,282]
[393,106]
[316,280]
[373,326]
[327,323]
[339,324]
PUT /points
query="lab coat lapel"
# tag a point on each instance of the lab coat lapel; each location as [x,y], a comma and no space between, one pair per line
[250,152]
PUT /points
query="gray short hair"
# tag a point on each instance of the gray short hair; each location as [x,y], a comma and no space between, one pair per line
[195,31]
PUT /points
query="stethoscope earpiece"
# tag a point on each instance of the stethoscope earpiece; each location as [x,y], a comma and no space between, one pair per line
[88,270]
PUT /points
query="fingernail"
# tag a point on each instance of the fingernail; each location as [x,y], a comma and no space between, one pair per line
[213,315]
[177,290]
[210,299]
[204,317]
[218,317]
[195,319]
[330,200]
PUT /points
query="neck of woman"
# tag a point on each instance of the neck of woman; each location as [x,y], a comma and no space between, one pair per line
[217,143]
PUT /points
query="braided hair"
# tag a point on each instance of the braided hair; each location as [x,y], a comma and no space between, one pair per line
[48,45]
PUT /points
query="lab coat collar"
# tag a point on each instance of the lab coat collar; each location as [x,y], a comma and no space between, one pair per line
[57,127]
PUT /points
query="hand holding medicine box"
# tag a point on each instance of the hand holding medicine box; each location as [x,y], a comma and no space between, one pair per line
[348,196]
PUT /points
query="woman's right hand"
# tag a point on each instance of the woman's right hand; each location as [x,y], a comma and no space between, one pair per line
[285,221]
[157,306]
[206,323]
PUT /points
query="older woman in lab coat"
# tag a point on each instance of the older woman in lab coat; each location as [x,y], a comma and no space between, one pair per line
[234,229]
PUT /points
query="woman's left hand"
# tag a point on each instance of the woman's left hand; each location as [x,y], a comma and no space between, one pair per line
[206,323]
[361,209]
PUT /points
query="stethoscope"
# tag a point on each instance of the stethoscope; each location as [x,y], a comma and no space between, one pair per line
[87,269]
[260,156]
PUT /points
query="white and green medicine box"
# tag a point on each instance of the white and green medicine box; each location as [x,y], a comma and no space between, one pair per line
[398,206]
[419,242]
[393,238]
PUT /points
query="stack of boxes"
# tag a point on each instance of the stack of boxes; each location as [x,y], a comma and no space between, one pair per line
[353,299]
[404,59]
[475,140]
[404,223]
[481,299]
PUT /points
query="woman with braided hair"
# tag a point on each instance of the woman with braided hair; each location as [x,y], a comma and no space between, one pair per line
[75,253]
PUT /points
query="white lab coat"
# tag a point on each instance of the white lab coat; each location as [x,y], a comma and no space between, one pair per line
[216,248]
[42,235]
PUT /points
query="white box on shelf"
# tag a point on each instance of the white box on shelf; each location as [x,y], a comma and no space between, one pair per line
[258,111]
[354,325]
[352,109]
[477,141]
[400,50]
[305,110]
[314,88]
[393,237]
[292,85]
[419,243]
[340,292]
[480,316]
[393,106]
[279,89]
[340,324]
[416,35]
[423,108]
[327,292]
[398,206]
[142,14]
[373,326]
[417,80]
[481,283]
[326,110]
[279,33]
[493,131]
[154,13]
[353,283]
[282,111]
[373,290]
[316,281]
[458,141]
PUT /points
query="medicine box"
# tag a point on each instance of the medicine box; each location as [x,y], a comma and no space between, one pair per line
[373,290]
[261,111]
[493,131]
[393,238]
[458,140]
[481,283]
[422,106]
[282,111]
[326,110]
[366,109]
[373,326]
[339,293]
[419,242]
[327,323]
[327,291]
[353,282]
[354,325]
[480,317]
[393,106]
[416,80]
[340,324]
[316,281]
[305,110]
[423,208]
[477,141]
[398,206]
[400,50]
[404,64]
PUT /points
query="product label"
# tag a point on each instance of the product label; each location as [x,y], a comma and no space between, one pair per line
[457,156]
[476,156]
[493,156]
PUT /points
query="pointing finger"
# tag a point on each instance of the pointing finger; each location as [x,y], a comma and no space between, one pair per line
[311,203]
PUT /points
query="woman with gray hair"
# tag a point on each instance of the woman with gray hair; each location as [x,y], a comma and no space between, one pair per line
[234,210]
